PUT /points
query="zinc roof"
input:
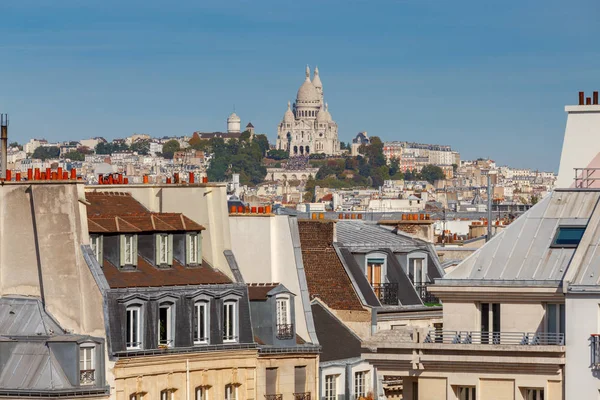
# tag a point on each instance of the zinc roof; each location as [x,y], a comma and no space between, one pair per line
[357,234]
[522,251]
[25,317]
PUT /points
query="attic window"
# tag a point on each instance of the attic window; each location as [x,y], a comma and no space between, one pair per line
[568,236]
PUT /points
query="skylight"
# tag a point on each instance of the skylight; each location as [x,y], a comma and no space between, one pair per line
[568,236]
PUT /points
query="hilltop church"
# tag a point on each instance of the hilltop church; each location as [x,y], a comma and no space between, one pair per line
[307,126]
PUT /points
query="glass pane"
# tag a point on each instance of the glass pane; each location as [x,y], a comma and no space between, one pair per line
[551,318]
[569,236]
[134,327]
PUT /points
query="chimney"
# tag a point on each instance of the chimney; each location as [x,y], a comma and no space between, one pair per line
[595,98]
[4,144]
[581,98]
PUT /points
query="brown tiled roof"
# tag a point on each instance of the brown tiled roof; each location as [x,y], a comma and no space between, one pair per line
[120,212]
[258,291]
[147,275]
[325,274]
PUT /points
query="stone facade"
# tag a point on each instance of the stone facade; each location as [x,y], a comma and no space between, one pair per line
[307,126]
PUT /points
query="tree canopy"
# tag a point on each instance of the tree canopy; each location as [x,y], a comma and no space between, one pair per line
[45,153]
[243,156]
[109,148]
[170,148]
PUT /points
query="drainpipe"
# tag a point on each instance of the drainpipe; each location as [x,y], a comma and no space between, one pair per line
[187,379]
[4,143]
[373,321]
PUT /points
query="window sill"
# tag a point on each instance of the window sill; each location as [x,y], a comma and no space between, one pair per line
[201,343]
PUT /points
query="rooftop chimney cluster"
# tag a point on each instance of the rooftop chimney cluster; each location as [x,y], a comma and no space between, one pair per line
[587,101]
[39,175]
[119,179]
[249,210]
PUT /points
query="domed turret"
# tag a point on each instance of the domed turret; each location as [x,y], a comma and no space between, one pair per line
[234,123]
[289,115]
[307,94]
[316,80]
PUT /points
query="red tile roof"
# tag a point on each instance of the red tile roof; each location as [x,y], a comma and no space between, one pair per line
[111,212]
[258,291]
[325,274]
[147,275]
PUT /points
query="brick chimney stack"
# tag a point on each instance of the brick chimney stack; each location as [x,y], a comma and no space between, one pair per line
[4,144]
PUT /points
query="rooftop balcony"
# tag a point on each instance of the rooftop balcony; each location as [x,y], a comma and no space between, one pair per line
[426,297]
[387,293]
[496,338]
[595,350]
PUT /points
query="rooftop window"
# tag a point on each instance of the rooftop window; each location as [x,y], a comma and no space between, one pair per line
[568,236]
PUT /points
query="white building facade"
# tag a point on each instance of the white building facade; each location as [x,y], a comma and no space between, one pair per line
[307,126]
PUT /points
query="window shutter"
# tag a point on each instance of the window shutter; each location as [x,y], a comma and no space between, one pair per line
[134,249]
[170,250]
[188,239]
[199,248]
[100,245]
[157,249]
[122,248]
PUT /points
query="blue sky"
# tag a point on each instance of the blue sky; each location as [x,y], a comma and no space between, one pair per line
[489,78]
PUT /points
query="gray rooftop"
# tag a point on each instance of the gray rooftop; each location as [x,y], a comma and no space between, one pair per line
[21,316]
[523,252]
[357,235]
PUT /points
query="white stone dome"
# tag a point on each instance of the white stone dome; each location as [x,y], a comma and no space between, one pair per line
[289,115]
[323,116]
[233,118]
[307,93]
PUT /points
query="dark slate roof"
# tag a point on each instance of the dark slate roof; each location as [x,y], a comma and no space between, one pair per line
[332,333]
[147,275]
[325,274]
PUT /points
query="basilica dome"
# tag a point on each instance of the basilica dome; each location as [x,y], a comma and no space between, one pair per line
[307,92]
[289,115]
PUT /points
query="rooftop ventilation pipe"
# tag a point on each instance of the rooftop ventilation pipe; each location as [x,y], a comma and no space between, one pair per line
[4,144]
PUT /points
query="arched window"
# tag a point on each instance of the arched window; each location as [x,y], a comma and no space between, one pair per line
[295,149]
[307,150]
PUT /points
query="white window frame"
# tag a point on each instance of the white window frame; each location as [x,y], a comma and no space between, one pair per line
[466,392]
[360,383]
[422,268]
[534,393]
[231,392]
[170,328]
[130,343]
[203,339]
[194,256]
[230,326]
[167,394]
[283,304]
[87,360]
[164,254]
[96,243]
[331,387]
[136,396]
[201,393]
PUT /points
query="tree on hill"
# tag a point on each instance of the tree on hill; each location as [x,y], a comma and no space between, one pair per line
[278,154]
[170,148]
[432,173]
[263,143]
[45,153]
[141,146]
[109,148]
[74,156]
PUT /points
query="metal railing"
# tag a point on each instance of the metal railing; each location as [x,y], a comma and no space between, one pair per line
[586,177]
[425,296]
[302,396]
[595,350]
[387,293]
[509,338]
[165,343]
[285,331]
[273,396]
[87,377]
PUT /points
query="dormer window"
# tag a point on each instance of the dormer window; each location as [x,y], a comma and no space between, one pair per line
[194,249]
[96,245]
[134,327]
[230,321]
[87,364]
[166,325]
[164,249]
[128,250]
[201,322]
[285,328]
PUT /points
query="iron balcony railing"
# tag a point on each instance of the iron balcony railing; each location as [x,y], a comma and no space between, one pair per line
[511,338]
[273,396]
[595,350]
[302,396]
[387,293]
[285,331]
[87,377]
[425,296]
